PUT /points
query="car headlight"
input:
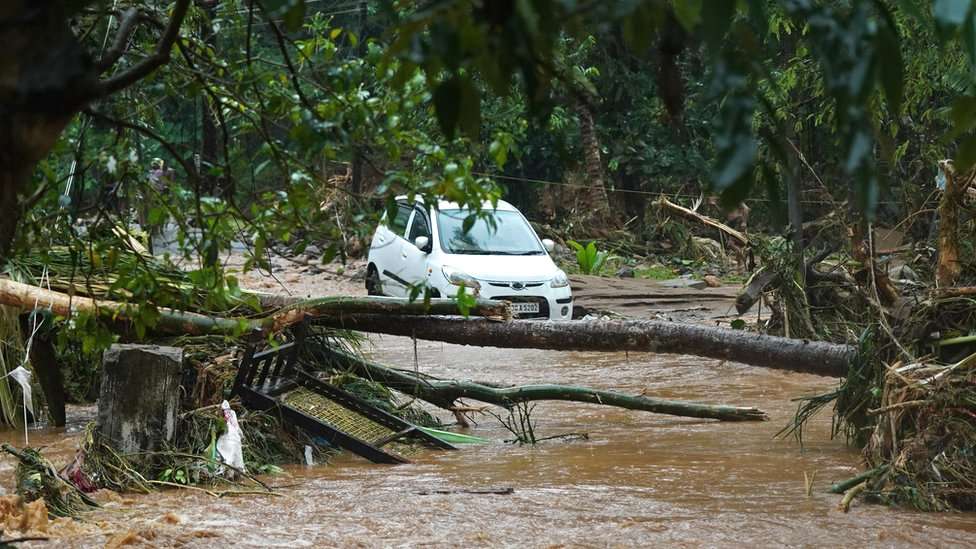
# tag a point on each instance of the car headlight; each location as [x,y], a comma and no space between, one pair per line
[459,278]
[560,280]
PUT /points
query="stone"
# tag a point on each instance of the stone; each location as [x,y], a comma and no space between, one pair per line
[139,397]
[626,272]
[712,281]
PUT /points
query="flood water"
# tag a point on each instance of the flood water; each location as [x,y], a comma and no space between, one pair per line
[640,479]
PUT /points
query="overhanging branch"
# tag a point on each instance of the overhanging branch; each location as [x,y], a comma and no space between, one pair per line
[143,68]
[128,22]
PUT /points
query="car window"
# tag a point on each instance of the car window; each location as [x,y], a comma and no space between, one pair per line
[399,224]
[420,226]
[500,232]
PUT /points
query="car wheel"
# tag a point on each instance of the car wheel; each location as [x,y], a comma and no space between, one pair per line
[373,284]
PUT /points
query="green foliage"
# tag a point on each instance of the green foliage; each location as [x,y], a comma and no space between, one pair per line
[656,272]
[588,259]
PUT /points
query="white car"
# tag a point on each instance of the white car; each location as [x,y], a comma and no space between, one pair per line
[426,246]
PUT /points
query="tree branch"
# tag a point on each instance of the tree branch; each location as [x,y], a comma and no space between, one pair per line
[159,57]
[128,22]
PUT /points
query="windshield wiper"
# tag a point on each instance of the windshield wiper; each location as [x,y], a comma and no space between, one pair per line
[472,252]
[530,252]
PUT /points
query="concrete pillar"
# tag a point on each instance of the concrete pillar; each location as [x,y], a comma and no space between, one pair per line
[139,398]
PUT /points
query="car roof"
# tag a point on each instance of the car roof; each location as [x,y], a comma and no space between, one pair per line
[447,205]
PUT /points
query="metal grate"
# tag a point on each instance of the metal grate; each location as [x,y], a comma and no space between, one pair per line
[348,421]
[339,417]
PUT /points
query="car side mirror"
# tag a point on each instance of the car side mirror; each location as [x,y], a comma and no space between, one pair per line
[549,244]
[422,242]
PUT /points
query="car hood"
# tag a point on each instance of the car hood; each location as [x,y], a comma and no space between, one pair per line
[522,268]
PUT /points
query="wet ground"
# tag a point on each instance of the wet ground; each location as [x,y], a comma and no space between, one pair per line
[641,479]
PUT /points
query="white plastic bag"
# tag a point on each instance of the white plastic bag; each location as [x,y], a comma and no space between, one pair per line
[23,376]
[229,443]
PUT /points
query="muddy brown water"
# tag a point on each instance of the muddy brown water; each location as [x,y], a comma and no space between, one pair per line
[640,479]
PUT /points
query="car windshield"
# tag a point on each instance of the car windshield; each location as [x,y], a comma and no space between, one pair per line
[511,235]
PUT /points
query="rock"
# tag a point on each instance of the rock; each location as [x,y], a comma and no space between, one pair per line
[626,272]
[313,251]
[292,278]
[712,281]
[139,396]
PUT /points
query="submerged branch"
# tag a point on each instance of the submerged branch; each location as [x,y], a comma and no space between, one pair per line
[444,393]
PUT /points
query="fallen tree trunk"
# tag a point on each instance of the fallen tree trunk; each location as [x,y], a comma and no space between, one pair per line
[444,393]
[171,321]
[812,357]
[754,289]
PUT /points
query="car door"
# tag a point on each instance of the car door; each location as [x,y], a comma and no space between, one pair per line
[387,249]
[414,259]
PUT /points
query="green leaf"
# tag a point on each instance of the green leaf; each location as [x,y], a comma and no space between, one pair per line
[469,100]
[968,39]
[688,13]
[891,64]
[966,155]
[738,324]
[295,16]
[963,115]
[716,20]
[735,163]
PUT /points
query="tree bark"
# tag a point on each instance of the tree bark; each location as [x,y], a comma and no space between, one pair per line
[444,393]
[812,357]
[591,155]
[949,268]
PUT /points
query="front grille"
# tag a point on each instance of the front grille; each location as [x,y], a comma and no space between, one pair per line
[511,284]
[543,304]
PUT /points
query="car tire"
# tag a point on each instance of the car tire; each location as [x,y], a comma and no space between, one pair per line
[373,284]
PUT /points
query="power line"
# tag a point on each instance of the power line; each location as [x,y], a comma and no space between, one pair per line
[629,191]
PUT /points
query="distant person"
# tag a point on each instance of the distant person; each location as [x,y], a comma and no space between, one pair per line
[160,179]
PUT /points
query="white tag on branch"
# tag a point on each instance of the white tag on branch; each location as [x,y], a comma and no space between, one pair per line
[229,443]
[23,376]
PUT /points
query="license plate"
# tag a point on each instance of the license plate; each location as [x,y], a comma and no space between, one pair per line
[523,308]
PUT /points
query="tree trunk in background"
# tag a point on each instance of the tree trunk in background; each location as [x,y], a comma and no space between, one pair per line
[948,269]
[591,157]
[208,126]
[357,151]
[812,357]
